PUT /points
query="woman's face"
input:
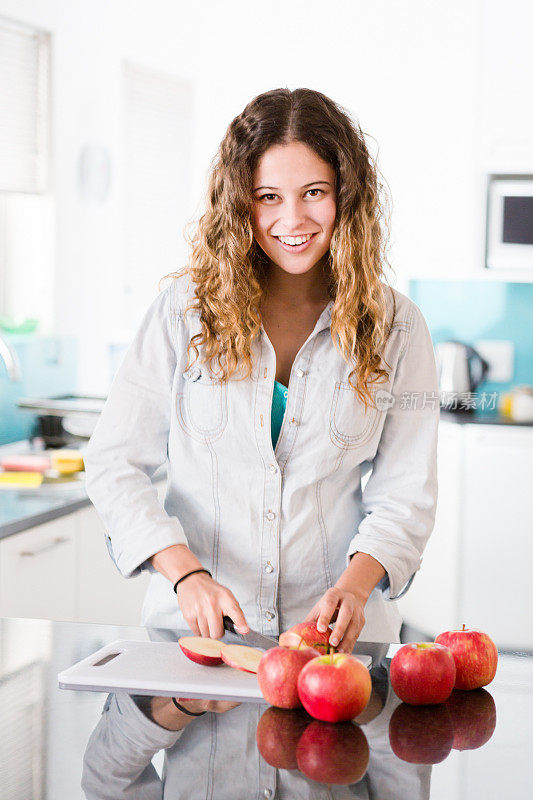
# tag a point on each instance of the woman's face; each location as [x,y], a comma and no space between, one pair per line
[293,206]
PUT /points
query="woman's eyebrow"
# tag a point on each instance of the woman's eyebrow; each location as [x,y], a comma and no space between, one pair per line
[302,187]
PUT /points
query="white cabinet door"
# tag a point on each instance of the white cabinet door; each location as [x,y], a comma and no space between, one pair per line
[38,572]
[498,534]
[104,595]
[506,65]
[477,564]
[431,605]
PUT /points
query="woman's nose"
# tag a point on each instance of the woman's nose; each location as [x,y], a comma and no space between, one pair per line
[293,216]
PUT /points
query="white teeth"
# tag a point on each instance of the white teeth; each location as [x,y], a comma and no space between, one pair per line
[295,239]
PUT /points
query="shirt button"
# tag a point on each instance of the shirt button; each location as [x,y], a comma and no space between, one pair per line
[300,373]
[269,615]
[270,515]
[273,469]
[269,567]
[192,374]
[267,792]
[293,422]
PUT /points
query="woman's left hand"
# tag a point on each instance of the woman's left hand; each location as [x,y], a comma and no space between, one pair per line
[347,610]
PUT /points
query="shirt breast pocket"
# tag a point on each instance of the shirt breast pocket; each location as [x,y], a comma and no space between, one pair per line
[202,409]
[350,424]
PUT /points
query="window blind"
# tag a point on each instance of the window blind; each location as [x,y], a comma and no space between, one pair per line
[157,154]
[24,113]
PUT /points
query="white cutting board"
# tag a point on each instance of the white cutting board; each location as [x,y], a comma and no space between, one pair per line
[160,668]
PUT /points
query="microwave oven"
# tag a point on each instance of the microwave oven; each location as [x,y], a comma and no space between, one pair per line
[509,229]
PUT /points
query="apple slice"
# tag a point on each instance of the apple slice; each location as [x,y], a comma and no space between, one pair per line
[241,656]
[306,634]
[201,650]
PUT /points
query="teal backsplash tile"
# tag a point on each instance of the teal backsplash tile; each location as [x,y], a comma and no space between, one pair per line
[49,367]
[472,310]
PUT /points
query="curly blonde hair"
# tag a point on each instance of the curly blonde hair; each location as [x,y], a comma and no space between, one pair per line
[229,268]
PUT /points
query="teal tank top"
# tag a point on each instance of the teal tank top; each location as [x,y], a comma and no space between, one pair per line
[279,402]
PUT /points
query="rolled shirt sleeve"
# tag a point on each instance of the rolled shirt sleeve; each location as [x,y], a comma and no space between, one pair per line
[130,442]
[400,497]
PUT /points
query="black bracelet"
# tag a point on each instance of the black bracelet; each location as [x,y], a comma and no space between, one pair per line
[192,572]
[190,713]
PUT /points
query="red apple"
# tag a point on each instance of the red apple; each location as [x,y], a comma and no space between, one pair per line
[278,732]
[241,656]
[202,651]
[306,634]
[335,687]
[475,654]
[278,672]
[421,735]
[337,754]
[422,673]
[473,716]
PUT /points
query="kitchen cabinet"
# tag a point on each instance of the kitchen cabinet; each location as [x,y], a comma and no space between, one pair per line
[38,571]
[506,65]
[476,567]
[104,594]
[62,570]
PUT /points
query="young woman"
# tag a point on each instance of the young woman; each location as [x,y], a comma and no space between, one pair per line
[272,375]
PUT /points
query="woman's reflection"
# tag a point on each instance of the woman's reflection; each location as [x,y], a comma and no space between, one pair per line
[247,750]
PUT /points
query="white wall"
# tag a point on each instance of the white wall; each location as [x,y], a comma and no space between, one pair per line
[407,69]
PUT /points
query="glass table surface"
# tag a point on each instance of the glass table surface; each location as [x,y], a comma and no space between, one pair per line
[57,743]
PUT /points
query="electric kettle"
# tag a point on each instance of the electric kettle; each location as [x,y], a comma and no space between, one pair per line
[460,368]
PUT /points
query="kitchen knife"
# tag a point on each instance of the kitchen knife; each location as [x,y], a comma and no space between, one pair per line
[376,650]
[252,637]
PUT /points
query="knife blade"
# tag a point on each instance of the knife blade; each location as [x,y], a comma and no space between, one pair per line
[252,638]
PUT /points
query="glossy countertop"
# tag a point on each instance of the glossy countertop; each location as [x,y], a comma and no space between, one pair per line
[57,743]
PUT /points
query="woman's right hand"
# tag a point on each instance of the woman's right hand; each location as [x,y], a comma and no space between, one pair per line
[204,602]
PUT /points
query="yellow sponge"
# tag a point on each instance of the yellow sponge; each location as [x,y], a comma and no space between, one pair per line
[20,478]
[66,461]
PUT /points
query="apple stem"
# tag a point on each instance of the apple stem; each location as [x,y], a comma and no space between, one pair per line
[463,626]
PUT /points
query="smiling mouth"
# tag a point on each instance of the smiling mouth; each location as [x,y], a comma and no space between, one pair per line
[295,240]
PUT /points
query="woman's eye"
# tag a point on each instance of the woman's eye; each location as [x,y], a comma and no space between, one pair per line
[269,195]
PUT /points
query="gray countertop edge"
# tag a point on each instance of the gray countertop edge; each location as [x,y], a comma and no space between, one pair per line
[472,418]
[25,523]
[69,506]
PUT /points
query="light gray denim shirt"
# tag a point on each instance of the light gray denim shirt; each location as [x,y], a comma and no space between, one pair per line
[277,527]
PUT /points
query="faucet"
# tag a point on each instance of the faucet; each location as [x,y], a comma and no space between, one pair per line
[10,358]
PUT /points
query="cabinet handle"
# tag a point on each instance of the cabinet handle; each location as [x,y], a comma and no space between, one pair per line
[44,548]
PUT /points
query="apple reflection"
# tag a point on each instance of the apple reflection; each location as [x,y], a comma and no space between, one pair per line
[474,718]
[421,734]
[333,753]
[277,736]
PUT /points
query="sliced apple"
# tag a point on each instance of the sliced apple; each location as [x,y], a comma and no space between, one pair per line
[241,657]
[201,650]
[306,634]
